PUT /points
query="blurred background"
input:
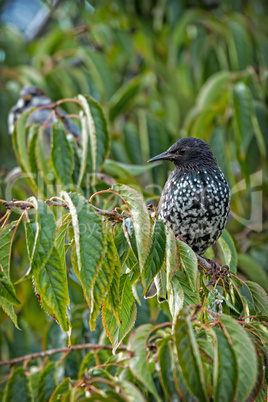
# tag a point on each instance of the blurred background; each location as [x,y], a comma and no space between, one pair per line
[161,70]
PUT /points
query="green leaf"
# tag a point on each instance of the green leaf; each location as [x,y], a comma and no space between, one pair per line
[245,356]
[88,362]
[213,89]
[89,241]
[5,247]
[48,270]
[45,231]
[102,135]
[225,369]
[76,158]
[113,301]
[132,392]
[175,297]
[214,303]
[259,297]
[32,154]
[140,219]
[51,285]
[19,141]
[243,44]
[47,382]
[166,373]
[42,161]
[123,98]
[174,289]
[129,311]
[18,387]
[228,250]
[188,262]
[189,358]
[160,281]
[61,389]
[190,296]
[102,283]
[9,310]
[138,363]
[7,290]
[172,254]
[125,170]
[242,103]
[155,258]
[19,136]
[95,138]
[128,230]
[253,270]
[61,155]
[62,226]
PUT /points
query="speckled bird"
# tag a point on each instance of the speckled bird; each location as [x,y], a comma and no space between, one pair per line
[195,201]
[34,97]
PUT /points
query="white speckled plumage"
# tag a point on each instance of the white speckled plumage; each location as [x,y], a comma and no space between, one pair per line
[195,201]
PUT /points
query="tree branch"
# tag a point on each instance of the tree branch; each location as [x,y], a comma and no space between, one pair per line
[61,350]
[112,215]
[17,204]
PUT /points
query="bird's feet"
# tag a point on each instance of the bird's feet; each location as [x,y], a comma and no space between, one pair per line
[218,273]
[179,237]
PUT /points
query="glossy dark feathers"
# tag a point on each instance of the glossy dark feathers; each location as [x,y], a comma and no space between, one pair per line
[195,201]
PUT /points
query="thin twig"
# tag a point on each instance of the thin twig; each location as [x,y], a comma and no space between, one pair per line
[59,203]
[114,215]
[17,204]
[61,350]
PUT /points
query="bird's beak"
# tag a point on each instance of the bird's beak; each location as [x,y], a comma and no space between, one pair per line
[27,97]
[164,156]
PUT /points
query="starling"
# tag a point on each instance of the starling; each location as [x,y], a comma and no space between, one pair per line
[34,97]
[195,201]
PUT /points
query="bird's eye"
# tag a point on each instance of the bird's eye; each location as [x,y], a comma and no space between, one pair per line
[182,151]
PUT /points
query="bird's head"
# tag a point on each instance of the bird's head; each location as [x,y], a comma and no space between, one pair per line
[29,92]
[188,152]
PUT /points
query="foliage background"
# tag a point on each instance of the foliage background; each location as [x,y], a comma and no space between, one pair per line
[161,70]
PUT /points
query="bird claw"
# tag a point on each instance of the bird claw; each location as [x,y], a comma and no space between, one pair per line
[217,273]
[179,237]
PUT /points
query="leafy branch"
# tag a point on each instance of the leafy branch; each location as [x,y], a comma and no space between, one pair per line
[51,352]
